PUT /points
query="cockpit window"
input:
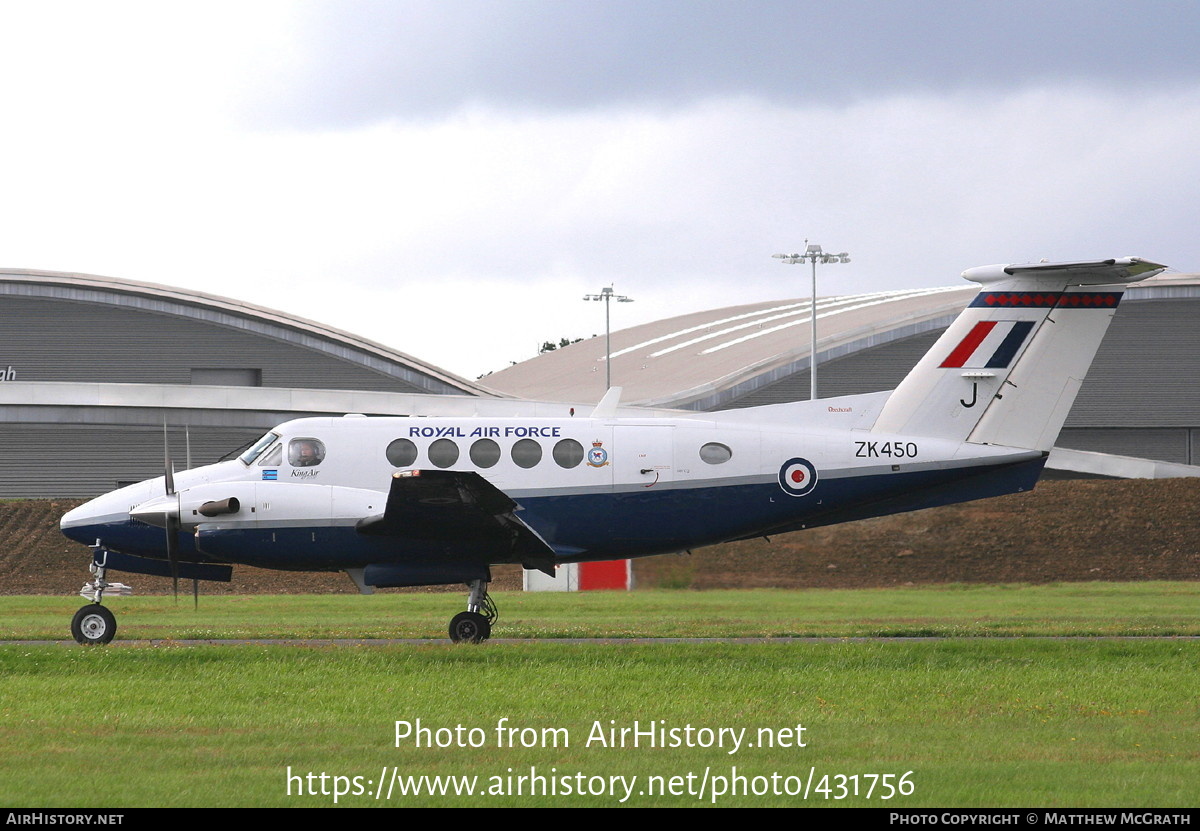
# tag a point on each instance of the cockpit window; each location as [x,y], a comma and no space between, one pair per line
[306,452]
[272,457]
[258,447]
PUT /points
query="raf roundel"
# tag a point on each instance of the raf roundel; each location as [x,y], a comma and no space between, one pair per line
[797,477]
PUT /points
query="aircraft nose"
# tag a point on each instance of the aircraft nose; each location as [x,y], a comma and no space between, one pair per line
[97,517]
[78,523]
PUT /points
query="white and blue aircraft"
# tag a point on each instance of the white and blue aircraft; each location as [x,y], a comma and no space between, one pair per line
[422,501]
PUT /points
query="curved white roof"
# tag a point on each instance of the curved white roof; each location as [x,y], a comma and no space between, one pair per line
[680,360]
[687,361]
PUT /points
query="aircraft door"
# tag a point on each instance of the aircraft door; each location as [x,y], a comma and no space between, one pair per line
[645,455]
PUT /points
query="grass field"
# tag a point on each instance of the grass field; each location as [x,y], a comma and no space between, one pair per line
[1150,608]
[962,721]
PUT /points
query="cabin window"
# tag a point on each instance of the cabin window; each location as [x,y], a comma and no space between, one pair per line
[306,452]
[443,453]
[402,453]
[715,453]
[526,453]
[485,453]
[568,453]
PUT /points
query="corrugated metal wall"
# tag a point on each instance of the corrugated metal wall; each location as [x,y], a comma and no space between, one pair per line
[1145,374]
[38,460]
[58,340]
[1168,444]
[60,451]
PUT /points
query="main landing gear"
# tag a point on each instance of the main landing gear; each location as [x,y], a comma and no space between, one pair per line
[95,624]
[475,624]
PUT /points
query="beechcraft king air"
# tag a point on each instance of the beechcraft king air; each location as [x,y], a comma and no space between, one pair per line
[422,500]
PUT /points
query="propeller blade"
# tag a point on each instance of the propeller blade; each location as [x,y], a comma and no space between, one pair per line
[173,550]
[172,524]
[168,468]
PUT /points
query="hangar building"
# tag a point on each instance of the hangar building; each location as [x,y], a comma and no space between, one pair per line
[92,367]
[1138,400]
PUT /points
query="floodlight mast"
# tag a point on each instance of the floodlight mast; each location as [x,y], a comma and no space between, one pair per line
[606,294]
[813,254]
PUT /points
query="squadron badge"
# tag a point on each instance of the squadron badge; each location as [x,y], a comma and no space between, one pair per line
[597,456]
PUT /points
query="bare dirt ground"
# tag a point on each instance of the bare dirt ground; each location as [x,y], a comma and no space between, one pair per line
[1062,531]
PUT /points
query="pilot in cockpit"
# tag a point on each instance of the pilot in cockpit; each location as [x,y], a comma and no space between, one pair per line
[305,452]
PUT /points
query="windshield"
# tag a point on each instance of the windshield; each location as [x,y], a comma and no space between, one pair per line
[258,447]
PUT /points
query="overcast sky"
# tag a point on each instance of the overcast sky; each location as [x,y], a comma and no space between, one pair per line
[450,177]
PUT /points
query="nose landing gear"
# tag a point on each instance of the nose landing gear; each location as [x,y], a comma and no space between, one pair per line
[95,624]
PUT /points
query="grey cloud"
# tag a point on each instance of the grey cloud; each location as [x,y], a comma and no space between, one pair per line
[415,59]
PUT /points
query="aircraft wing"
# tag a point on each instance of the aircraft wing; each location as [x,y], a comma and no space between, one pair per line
[461,507]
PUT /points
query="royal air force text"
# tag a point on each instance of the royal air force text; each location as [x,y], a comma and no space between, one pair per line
[484,432]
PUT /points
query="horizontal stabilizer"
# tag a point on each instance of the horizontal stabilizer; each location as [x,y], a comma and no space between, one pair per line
[1082,273]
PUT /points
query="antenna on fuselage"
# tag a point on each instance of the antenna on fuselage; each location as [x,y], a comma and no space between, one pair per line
[607,408]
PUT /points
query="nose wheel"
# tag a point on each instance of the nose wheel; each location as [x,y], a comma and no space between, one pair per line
[93,625]
[475,624]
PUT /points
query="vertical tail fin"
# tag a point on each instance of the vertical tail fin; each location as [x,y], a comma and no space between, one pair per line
[1007,370]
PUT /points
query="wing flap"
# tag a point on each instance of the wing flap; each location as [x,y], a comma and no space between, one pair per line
[458,506]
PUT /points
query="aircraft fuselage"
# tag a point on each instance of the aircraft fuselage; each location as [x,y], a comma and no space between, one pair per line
[591,488]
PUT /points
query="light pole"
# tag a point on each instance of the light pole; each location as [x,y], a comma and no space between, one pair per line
[606,294]
[813,254]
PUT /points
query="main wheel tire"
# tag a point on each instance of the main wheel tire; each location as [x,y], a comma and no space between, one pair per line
[469,627]
[94,624]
